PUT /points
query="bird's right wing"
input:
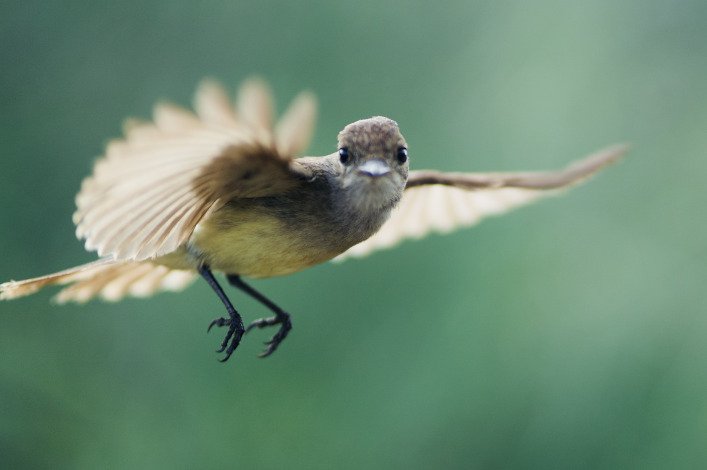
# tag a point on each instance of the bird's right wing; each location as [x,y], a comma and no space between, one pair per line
[441,202]
[151,189]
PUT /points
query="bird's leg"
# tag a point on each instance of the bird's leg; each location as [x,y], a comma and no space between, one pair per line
[234,320]
[281,317]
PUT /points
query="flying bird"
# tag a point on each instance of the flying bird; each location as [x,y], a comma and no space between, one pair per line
[220,189]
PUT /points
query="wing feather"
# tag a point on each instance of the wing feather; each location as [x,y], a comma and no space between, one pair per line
[442,202]
[255,104]
[169,117]
[213,106]
[151,189]
[296,126]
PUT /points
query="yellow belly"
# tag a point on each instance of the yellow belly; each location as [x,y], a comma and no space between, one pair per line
[253,243]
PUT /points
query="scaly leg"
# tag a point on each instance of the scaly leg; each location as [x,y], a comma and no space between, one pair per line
[281,317]
[234,320]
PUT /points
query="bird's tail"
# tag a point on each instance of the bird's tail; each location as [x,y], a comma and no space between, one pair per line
[109,279]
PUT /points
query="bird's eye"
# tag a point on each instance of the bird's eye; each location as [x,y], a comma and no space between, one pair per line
[402,155]
[344,155]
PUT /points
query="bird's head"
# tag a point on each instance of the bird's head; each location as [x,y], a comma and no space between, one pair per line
[374,160]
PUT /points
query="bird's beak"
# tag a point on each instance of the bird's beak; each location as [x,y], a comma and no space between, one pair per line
[374,168]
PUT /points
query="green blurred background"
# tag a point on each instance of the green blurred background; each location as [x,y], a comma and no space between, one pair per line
[569,334]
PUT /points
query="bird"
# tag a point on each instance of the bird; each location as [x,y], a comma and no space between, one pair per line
[221,189]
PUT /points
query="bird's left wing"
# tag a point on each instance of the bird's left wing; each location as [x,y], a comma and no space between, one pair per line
[151,189]
[442,202]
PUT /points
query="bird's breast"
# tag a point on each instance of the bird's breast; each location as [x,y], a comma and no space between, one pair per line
[260,239]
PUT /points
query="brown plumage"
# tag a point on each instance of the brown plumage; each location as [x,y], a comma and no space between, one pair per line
[221,189]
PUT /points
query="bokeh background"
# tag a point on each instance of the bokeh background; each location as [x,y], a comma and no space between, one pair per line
[569,334]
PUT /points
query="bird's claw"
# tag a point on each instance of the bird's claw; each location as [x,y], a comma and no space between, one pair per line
[234,334]
[218,322]
[262,323]
[285,326]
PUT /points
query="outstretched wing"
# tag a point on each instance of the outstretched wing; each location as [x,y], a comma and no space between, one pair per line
[153,187]
[442,202]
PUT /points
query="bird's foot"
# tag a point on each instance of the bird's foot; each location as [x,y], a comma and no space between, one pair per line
[283,319]
[234,334]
